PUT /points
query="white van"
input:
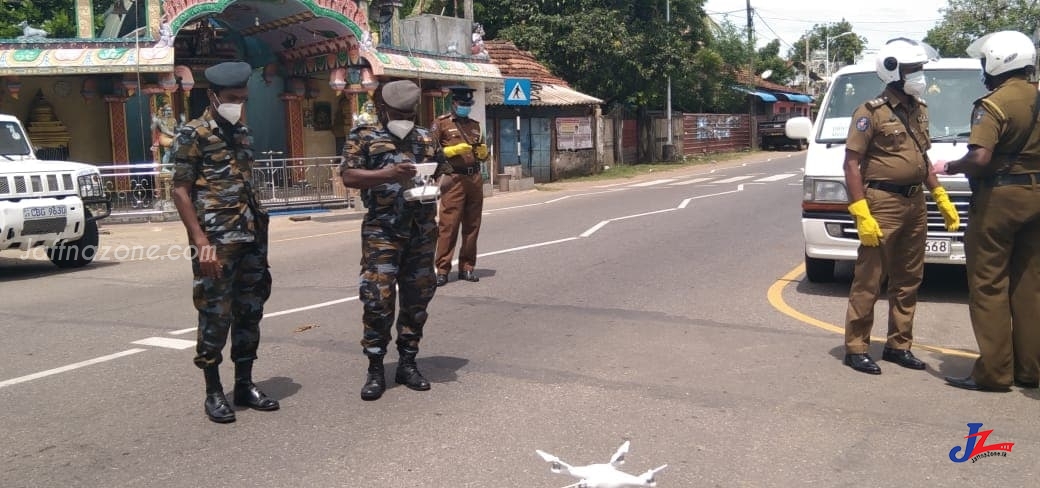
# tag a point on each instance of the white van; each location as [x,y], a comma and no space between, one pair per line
[829,230]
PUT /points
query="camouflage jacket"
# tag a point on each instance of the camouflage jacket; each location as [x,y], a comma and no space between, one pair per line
[220,168]
[371,147]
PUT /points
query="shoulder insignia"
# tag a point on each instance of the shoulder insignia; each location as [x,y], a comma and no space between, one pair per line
[991,106]
[862,124]
[877,102]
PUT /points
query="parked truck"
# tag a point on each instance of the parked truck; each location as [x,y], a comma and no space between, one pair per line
[773,134]
[49,204]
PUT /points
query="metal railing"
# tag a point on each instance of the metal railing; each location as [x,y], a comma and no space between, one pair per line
[280,182]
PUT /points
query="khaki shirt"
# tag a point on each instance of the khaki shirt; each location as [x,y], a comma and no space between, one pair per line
[449,130]
[220,168]
[889,151]
[1000,122]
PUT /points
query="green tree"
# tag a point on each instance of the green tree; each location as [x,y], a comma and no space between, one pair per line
[964,21]
[53,16]
[769,59]
[843,49]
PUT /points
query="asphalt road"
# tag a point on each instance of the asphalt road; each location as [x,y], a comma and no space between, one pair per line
[668,310]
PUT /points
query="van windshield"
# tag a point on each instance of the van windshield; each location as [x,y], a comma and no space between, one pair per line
[12,142]
[949,96]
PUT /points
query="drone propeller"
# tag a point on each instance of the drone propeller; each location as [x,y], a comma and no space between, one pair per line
[619,457]
[649,477]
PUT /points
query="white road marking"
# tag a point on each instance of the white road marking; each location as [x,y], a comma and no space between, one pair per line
[688,200]
[81,364]
[183,331]
[309,307]
[734,179]
[775,178]
[529,246]
[166,342]
[593,229]
[609,186]
[644,214]
[652,183]
[690,182]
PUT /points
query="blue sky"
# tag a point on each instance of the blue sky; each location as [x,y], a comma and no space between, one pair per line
[788,20]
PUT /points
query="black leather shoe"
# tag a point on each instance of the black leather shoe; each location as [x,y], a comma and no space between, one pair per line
[862,363]
[250,396]
[968,383]
[1027,384]
[442,279]
[468,276]
[375,382]
[902,357]
[218,409]
[408,372]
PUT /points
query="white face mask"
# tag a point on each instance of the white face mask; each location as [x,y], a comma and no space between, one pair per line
[915,84]
[400,128]
[231,112]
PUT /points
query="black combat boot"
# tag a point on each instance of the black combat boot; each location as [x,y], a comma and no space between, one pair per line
[375,382]
[217,407]
[408,373]
[246,393]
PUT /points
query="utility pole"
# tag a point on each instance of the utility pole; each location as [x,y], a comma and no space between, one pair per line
[668,151]
[752,126]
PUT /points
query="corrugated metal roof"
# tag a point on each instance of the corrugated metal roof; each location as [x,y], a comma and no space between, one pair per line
[544,95]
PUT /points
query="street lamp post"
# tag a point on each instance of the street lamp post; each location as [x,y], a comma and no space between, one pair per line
[827,51]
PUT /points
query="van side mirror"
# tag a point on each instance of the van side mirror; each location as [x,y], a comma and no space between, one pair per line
[798,128]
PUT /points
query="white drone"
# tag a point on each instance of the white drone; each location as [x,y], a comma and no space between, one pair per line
[602,475]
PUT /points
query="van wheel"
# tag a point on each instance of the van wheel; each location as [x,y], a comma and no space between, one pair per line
[819,270]
[77,253]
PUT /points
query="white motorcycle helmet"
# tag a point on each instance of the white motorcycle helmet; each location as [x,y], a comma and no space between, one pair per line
[1003,51]
[900,51]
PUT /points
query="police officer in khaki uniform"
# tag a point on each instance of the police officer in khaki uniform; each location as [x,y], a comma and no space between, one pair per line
[1003,235]
[462,197]
[227,228]
[885,169]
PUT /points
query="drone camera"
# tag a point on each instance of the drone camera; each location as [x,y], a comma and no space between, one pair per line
[556,468]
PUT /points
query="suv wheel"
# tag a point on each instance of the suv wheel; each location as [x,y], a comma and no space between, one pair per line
[819,270]
[77,253]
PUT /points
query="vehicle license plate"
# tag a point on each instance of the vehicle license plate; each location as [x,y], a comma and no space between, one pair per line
[937,247]
[36,213]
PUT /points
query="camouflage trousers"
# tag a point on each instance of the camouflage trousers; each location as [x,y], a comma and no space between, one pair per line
[395,263]
[233,303]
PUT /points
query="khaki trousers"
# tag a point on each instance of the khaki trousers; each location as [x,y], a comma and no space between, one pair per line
[900,257]
[461,206]
[1003,258]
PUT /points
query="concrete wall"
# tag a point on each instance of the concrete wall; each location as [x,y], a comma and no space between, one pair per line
[434,33]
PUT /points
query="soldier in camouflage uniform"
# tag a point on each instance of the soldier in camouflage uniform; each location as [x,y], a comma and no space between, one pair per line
[227,229]
[397,236]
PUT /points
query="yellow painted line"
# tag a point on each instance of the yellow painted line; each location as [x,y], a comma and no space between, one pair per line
[776,299]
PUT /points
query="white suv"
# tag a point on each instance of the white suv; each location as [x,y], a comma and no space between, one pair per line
[54,204]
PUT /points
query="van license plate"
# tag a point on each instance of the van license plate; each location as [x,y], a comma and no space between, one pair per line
[937,247]
[50,212]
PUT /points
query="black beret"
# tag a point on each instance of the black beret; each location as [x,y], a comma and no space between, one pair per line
[401,95]
[231,74]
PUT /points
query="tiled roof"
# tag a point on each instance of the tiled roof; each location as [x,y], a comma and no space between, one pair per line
[514,63]
[744,78]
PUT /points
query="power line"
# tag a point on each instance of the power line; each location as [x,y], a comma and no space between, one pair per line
[788,44]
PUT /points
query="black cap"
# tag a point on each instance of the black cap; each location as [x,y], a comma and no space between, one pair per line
[231,74]
[462,94]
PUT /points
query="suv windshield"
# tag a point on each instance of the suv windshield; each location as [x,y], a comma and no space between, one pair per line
[12,142]
[949,95]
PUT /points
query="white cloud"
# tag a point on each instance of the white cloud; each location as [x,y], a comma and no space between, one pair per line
[787,20]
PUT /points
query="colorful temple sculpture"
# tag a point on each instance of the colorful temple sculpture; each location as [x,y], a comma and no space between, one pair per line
[113,92]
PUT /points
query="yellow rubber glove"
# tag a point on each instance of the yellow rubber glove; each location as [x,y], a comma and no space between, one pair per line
[480,151]
[946,208]
[457,150]
[869,231]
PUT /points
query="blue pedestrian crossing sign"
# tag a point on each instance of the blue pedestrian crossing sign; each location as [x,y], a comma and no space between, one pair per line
[517,91]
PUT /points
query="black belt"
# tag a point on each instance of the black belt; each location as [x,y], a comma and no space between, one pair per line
[1005,180]
[905,190]
[468,170]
